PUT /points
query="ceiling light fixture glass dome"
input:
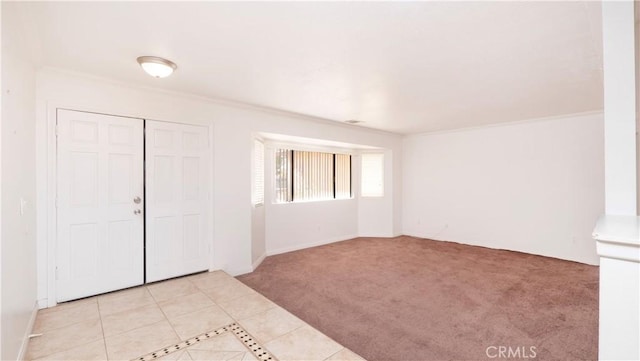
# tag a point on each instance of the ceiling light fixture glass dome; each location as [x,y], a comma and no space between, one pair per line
[157,67]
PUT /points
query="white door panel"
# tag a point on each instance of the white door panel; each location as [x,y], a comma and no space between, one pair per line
[177,181]
[100,172]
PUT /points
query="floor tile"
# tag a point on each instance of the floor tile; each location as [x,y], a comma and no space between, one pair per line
[91,351]
[142,320]
[167,290]
[214,355]
[344,355]
[205,281]
[65,338]
[119,322]
[124,300]
[70,304]
[65,315]
[246,306]
[304,343]
[176,356]
[271,324]
[224,342]
[228,290]
[248,356]
[209,280]
[198,322]
[141,341]
[186,304]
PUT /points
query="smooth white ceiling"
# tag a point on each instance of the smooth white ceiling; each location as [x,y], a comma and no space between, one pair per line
[404,67]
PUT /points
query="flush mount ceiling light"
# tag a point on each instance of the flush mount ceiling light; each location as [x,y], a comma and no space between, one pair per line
[157,67]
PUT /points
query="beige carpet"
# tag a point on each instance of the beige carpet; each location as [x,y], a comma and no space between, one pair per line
[407,298]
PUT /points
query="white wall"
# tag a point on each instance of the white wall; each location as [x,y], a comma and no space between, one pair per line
[258,235]
[233,129]
[18,252]
[375,214]
[258,227]
[535,186]
[293,226]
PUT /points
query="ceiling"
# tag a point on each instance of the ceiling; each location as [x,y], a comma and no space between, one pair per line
[404,67]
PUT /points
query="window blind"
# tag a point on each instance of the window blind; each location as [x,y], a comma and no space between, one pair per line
[258,173]
[307,176]
[283,175]
[343,176]
[312,176]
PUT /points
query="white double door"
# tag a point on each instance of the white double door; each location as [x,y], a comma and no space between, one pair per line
[119,224]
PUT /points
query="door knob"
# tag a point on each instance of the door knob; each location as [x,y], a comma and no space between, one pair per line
[137,211]
[137,200]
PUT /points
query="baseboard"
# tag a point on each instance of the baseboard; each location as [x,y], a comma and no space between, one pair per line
[435,237]
[43,303]
[367,235]
[238,271]
[257,262]
[309,244]
[25,340]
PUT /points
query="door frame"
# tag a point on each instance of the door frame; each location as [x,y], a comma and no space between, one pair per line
[47,225]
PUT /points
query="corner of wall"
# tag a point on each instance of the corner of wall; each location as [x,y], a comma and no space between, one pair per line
[258,261]
[22,354]
[18,181]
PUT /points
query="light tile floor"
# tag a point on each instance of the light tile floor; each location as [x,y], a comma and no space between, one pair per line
[132,323]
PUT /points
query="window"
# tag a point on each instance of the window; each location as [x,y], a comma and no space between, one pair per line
[308,176]
[372,175]
[257,196]
[343,176]
[312,176]
[283,175]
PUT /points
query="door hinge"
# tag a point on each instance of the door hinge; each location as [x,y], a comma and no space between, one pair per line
[57,273]
[56,130]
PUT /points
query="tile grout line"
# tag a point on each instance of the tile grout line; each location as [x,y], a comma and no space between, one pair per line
[202,291]
[291,331]
[215,303]
[53,311]
[337,352]
[137,327]
[182,344]
[239,332]
[166,318]
[104,336]
[243,336]
[74,345]
[275,305]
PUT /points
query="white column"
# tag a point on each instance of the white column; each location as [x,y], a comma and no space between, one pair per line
[618,243]
[619,107]
[618,231]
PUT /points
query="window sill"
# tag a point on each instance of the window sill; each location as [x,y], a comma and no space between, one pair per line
[315,201]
